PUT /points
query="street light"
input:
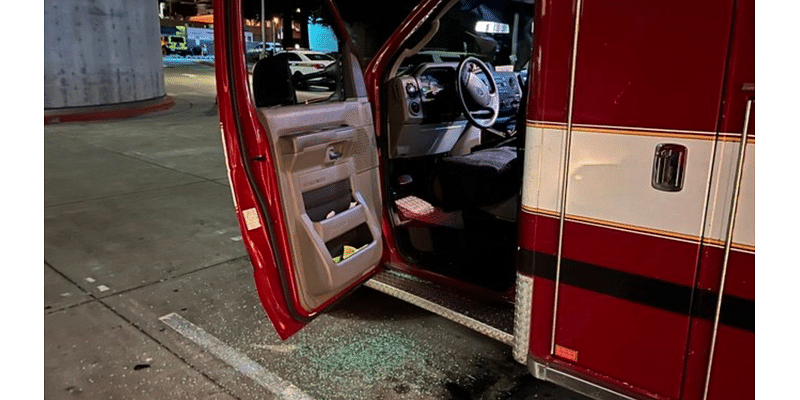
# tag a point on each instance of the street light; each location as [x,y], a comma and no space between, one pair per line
[263,31]
[274,26]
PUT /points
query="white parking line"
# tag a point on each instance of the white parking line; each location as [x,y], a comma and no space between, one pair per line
[237,360]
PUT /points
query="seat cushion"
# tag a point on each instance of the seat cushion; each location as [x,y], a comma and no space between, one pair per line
[478,179]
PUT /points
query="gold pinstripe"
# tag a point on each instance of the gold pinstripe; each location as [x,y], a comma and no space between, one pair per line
[539,211]
[737,246]
[554,125]
[638,229]
[632,131]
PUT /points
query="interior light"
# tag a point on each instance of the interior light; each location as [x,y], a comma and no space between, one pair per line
[492,27]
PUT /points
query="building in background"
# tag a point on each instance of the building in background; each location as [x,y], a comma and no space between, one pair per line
[101,53]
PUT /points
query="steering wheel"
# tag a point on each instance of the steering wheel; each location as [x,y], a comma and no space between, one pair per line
[479,101]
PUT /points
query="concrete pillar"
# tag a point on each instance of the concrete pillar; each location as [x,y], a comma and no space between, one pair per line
[101,52]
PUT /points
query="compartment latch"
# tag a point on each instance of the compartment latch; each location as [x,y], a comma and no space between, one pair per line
[669,164]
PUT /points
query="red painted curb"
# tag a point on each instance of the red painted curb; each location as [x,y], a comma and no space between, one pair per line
[115,111]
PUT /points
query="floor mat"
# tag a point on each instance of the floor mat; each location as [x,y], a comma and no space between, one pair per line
[414,208]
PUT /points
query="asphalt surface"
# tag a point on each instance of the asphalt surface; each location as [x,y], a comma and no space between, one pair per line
[149,293]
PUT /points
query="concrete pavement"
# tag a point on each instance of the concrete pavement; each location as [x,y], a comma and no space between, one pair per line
[140,232]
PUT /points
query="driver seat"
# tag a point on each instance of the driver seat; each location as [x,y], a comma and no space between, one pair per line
[481,179]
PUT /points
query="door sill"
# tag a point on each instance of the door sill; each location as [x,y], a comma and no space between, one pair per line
[493,320]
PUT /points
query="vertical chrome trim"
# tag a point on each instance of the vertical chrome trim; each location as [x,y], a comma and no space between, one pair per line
[565,171]
[728,240]
[523,301]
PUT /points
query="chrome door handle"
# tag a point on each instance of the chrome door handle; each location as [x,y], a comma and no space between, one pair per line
[333,154]
[669,164]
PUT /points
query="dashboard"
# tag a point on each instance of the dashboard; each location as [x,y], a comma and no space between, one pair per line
[437,93]
[432,93]
[425,115]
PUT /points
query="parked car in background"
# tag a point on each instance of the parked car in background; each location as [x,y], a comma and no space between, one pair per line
[306,62]
[174,45]
[270,49]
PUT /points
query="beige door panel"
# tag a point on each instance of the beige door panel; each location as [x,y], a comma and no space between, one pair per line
[327,164]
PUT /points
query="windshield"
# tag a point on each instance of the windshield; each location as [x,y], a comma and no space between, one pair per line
[497,32]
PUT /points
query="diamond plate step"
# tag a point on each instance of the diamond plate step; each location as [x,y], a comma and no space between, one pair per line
[493,320]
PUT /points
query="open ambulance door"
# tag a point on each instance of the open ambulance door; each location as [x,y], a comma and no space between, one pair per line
[303,167]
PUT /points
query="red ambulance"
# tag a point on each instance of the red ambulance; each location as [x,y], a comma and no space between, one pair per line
[573,178]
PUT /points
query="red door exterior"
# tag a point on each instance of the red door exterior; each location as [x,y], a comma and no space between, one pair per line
[239,124]
[276,158]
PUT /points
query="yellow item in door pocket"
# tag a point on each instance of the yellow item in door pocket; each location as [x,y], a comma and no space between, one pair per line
[348,252]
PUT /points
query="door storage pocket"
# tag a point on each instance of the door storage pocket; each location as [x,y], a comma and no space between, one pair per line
[320,202]
[349,243]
